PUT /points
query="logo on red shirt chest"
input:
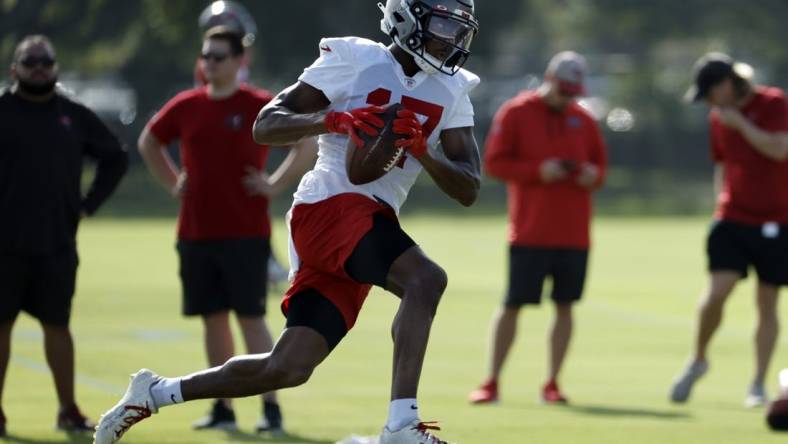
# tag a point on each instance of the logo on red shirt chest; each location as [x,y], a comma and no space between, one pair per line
[574,122]
[234,121]
[65,121]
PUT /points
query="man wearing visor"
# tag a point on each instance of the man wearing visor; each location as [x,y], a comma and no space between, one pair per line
[550,153]
[345,238]
[750,228]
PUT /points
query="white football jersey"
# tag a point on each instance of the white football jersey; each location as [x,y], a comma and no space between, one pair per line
[354,73]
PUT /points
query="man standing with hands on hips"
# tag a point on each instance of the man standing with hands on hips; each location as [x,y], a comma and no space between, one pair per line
[750,148]
[44,139]
[551,155]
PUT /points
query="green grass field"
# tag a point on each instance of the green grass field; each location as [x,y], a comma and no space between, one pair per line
[633,334]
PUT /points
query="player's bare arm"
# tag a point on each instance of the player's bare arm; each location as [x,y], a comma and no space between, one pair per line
[159,162]
[457,169]
[297,112]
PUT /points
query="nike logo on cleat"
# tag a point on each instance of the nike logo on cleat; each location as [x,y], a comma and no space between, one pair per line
[325,48]
[172,397]
[413,407]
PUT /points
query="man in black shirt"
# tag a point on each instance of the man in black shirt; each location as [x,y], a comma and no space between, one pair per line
[44,138]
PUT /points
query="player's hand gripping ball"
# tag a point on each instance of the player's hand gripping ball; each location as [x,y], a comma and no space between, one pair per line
[371,155]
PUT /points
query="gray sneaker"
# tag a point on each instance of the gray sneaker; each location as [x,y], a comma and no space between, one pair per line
[682,386]
[756,397]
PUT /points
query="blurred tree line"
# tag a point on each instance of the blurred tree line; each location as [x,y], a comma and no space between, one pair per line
[641,53]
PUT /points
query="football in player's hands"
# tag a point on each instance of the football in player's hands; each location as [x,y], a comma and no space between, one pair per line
[378,154]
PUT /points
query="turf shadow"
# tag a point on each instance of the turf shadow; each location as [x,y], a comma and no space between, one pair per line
[603,410]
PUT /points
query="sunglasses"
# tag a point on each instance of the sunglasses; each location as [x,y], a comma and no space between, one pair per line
[32,62]
[216,57]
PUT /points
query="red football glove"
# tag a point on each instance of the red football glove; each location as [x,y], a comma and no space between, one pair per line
[355,120]
[408,125]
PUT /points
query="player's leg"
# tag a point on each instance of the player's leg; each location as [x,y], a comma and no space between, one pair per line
[50,302]
[560,336]
[766,333]
[204,295]
[504,330]
[14,280]
[244,272]
[527,270]
[5,354]
[420,283]
[771,265]
[569,268]
[258,340]
[291,362]
[219,348]
[387,257]
[59,351]
[728,260]
[721,284]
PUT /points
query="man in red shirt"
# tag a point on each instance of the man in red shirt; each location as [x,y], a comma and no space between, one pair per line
[551,155]
[223,228]
[750,149]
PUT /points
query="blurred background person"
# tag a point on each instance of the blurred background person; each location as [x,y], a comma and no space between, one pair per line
[550,153]
[750,227]
[44,139]
[223,228]
[237,19]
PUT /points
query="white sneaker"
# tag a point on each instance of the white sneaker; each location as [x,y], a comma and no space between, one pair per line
[756,397]
[136,405]
[416,432]
[682,386]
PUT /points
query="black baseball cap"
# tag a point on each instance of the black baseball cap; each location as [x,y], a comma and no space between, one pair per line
[709,70]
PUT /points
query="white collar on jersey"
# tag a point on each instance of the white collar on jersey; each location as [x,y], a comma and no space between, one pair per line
[409,83]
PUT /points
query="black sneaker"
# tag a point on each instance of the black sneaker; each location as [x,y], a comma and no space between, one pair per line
[71,420]
[271,422]
[220,418]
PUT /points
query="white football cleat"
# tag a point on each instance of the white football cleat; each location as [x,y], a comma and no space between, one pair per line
[416,432]
[136,405]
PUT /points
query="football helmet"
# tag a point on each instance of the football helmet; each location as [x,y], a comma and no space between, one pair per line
[231,14]
[437,33]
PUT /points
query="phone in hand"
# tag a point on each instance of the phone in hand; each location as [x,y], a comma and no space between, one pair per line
[569,165]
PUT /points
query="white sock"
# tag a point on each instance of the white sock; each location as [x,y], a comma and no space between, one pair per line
[166,391]
[401,413]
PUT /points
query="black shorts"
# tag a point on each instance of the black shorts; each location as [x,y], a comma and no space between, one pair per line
[221,275]
[529,266]
[42,286]
[733,246]
[369,263]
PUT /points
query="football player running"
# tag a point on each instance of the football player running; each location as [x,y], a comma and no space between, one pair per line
[344,237]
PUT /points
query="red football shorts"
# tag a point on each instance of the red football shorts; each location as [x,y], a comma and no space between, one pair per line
[325,234]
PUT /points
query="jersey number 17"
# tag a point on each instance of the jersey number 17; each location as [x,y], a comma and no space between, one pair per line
[433,112]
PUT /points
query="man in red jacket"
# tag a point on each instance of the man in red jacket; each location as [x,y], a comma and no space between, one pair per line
[551,155]
[749,146]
